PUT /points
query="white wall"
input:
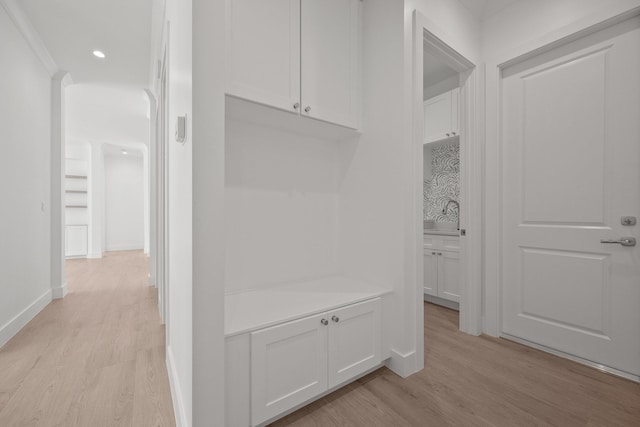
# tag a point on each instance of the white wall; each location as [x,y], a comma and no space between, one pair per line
[513,31]
[124,202]
[281,196]
[25,120]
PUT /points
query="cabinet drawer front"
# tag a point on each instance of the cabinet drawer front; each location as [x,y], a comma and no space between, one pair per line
[288,366]
[451,243]
[429,242]
[354,340]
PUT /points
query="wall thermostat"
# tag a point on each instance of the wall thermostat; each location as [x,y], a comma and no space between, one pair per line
[181,128]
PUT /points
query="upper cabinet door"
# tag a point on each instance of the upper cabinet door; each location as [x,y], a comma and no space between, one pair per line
[455,112]
[330,41]
[263,52]
[437,117]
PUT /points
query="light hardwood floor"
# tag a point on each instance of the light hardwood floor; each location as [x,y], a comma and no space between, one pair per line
[478,381]
[95,358]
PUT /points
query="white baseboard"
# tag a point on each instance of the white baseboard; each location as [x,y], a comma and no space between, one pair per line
[59,292]
[151,280]
[96,255]
[402,364]
[124,248]
[13,326]
[176,394]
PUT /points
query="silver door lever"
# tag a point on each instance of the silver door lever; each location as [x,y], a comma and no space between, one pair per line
[624,241]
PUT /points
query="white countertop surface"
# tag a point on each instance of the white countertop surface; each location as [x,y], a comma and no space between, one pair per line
[442,232]
[260,308]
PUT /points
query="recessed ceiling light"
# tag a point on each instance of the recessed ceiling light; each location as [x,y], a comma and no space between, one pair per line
[98,54]
[124,152]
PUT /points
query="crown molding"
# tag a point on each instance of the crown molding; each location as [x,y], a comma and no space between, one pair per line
[30,34]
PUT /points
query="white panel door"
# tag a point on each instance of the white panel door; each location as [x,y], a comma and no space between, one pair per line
[330,30]
[75,240]
[354,341]
[437,117]
[449,275]
[263,51]
[571,137]
[430,266]
[288,366]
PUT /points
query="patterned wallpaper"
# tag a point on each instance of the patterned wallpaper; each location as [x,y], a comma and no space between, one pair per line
[444,183]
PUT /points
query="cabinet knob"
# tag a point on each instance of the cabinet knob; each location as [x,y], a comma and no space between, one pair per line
[307,109]
[296,106]
[453,133]
[433,253]
[439,253]
[448,134]
[335,319]
[325,322]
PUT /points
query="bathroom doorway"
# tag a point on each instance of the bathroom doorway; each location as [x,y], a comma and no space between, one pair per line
[448,158]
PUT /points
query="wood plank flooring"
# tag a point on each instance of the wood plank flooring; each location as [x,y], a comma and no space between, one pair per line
[478,381]
[95,358]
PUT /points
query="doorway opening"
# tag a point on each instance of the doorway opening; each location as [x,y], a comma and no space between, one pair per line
[448,159]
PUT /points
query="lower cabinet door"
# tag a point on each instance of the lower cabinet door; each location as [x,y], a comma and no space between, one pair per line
[449,275]
[430,266]
[354,340]
[288,366]
[75,240]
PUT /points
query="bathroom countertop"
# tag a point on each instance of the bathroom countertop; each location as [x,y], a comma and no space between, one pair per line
[442,232]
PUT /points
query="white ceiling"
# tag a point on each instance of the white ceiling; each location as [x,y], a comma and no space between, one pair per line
[72,29]
[107,113]
[485,8]
[434,71]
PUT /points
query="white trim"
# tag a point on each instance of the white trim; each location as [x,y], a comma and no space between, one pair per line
[598,366]
[13,326]
[471,147]
[59,292]
[493,214]
[176,390]
[30,34]
[124,248]
[94,255]
[402,364]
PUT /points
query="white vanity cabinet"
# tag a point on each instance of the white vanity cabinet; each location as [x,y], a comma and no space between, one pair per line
[300,56]
[442,266]
[296,361]
[442,116]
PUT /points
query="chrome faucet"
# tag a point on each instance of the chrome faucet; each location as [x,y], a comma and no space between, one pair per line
[446,208]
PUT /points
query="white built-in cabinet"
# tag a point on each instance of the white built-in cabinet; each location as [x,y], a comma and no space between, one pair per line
[75,240]
[299,56]
[296,361]
[442,116]
[442,267]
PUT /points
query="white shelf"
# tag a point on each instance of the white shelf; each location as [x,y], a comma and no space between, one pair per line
[256,309]
[76,176]
[76,206]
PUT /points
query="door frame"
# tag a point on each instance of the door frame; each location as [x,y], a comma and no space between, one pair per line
[494,166]
[470,177]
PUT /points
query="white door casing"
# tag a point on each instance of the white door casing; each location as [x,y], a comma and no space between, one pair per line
[570,130]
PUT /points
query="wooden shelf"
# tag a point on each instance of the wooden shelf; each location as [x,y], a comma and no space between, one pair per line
[76,176]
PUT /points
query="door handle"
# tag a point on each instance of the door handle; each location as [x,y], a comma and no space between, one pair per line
[624,241]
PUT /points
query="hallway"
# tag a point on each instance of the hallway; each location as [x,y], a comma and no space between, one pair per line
[94,358]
